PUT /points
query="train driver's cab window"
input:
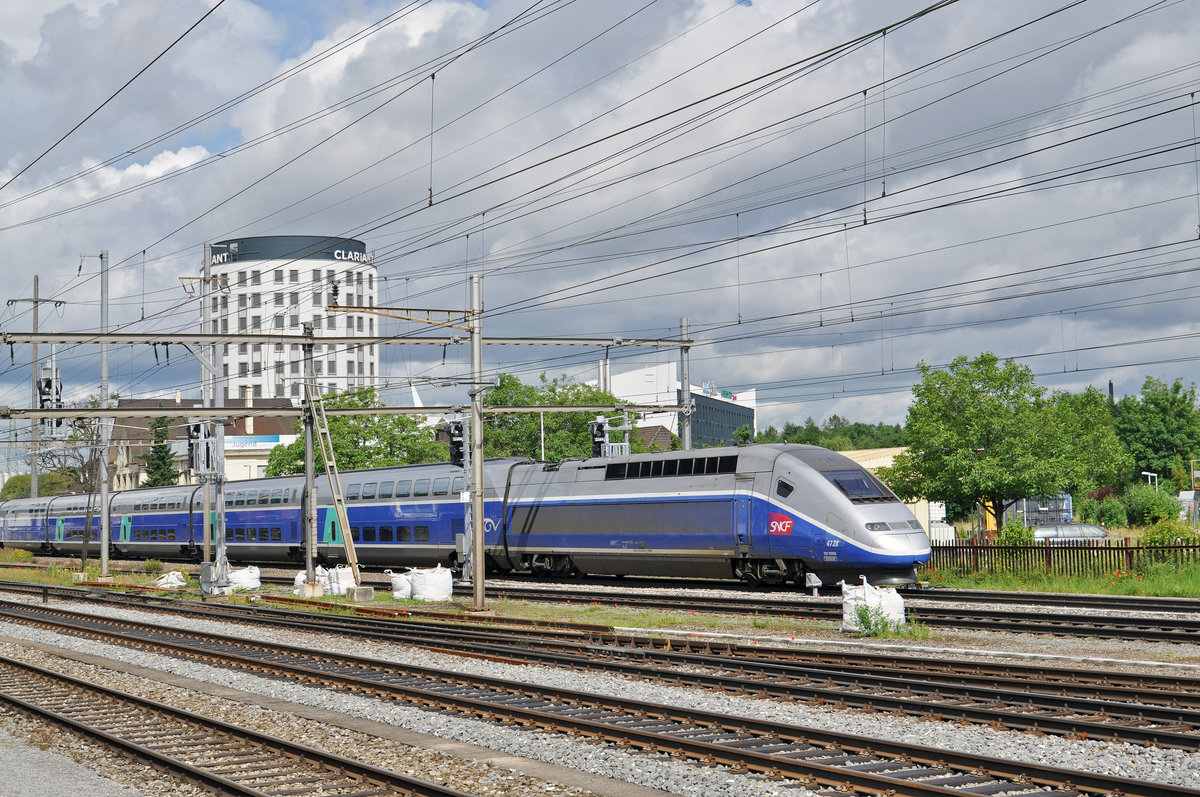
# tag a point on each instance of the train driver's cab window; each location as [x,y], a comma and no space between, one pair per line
[783,489]
[421,487]
[403,488]
[352,492]
[385,489]
[441,486]
[859,485]
[368,491]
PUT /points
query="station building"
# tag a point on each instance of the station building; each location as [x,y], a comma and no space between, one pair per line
[276,283]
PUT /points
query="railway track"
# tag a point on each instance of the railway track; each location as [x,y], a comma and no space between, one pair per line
[816,758]
[1164,711]
[216,756]
[1146,627]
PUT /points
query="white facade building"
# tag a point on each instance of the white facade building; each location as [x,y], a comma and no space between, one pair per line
[718,412]
[275,284]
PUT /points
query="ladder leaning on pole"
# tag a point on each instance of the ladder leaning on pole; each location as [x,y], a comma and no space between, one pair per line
[321,427]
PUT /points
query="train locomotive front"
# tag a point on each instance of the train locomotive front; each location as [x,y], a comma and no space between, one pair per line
[839,521]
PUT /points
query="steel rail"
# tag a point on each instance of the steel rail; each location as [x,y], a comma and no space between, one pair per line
[115,718]
[1152,628]
[704,735]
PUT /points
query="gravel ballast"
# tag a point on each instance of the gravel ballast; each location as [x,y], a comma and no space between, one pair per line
[655,772]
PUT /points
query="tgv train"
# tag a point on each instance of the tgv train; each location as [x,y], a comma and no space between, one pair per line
[762,513]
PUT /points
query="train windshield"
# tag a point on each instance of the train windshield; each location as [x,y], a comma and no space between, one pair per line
[859,485]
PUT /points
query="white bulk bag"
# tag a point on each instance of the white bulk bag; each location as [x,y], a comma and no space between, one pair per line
[171,580]
[244,579]
[401,586]
[338,579]
[884,600]
[436,584]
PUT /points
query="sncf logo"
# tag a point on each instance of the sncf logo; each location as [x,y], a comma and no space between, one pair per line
[780,524]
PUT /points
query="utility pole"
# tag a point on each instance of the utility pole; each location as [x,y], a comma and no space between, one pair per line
[105,514]
[685,389]
[34,431]
[477,519]
[310,479]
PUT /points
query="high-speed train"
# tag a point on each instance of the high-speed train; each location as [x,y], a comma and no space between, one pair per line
[762,513]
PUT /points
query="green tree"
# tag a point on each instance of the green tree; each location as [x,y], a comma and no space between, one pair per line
[51,483]
[1158,425]
[981,432]
[566,434]
[362,441]
[1099,458]
[160,460]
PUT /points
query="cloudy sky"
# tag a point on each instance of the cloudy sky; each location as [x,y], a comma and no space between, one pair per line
[830,192]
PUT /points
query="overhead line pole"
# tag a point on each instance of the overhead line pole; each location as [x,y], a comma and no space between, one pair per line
[34,431]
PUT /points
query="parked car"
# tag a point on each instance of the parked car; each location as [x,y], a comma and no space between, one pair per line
[1059,533]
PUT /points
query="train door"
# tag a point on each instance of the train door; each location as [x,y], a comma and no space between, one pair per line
[742,515]
[126,528]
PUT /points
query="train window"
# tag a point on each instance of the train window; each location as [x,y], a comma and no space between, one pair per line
[368,534]
[460,484]
[615,470]
[368,491]
[402,488]
[728,465]
[685,466]
[277,496]
[858,485]
[239,498]
[441,486]
[229,499]
[264,534]
[276,534]
[656,468]
[352,492]
[355,533]
[421,487]
[420,534]
[385,489]
[670,467]
[402,534]
[385,533]
[783,489]
[264,496]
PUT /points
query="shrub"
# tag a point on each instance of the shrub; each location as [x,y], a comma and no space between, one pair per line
[1088,509]
[1170,532]
[1014,533]
[18,555]
[153,567]
[1112,513]
[1146,506]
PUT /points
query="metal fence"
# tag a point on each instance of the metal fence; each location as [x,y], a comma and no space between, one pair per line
[1071,558]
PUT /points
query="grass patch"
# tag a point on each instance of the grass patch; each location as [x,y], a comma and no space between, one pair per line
[1166,579]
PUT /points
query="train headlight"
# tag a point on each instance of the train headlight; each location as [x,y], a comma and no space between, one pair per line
[877,527]
[916,524]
